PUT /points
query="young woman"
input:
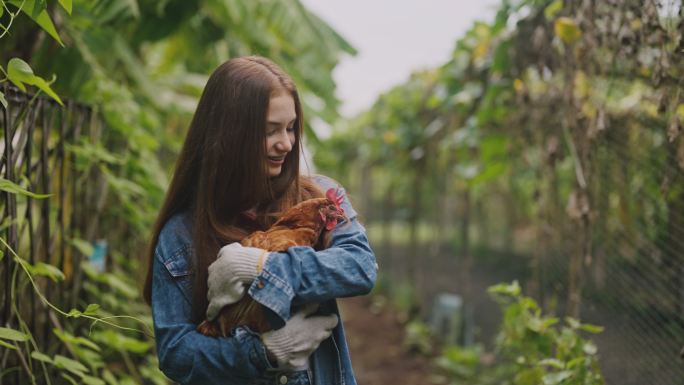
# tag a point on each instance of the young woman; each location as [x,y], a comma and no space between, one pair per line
[239,167]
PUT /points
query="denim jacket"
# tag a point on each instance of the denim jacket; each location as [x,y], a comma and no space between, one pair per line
[298,276]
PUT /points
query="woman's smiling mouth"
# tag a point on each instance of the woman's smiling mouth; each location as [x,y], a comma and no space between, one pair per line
[276,160]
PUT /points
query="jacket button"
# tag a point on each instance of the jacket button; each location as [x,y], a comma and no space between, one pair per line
[283,380]
[260,285]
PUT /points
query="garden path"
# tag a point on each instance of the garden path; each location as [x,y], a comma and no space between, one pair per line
[375,338]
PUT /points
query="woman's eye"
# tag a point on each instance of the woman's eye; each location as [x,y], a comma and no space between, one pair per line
[273,131]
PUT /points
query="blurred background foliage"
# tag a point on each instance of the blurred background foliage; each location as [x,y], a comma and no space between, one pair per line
[547,149]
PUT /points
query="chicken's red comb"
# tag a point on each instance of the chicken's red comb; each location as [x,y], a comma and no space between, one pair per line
[334,197]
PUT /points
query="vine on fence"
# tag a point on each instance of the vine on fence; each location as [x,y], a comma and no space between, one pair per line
[140,67]
[25,352]
[83,348]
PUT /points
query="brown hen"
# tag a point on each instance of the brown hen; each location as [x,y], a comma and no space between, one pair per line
[304,224]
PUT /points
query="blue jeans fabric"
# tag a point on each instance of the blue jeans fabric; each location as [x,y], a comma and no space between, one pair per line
[296,277]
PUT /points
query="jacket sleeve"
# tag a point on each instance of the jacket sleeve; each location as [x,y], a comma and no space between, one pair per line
[187,356]
[302,275]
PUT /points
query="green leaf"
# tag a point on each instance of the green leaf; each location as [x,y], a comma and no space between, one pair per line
[575,361]
[69,378]
[530,376]
[36,355]
[550,322]
[123,287]
[93,358]
[93,152]
[11,187]
[45,87]
[109,377]
[500,58]
[75,313]
[555,363]
[73,366]
[69,338]
[92,380]
[595,329]
[123,186]
[122,342]
[512,290]
[589,348]
[552,9]
[13,335]
[8,346]
[39,15]
[82,246]
[93,274]
[20,73]
[572,323]
[66,4]
[556,378]
[3,101]
[82,341]
[535,324]
[567,30]
[679,111]
[5,224]
[46,270]
[91,309]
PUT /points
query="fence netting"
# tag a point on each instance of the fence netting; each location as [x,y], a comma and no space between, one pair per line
[630,252]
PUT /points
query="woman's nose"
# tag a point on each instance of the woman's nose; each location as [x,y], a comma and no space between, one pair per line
[284,144]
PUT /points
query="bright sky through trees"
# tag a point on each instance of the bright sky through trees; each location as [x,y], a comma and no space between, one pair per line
[394,38]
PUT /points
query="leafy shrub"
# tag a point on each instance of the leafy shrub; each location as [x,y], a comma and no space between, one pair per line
[531,348]
[418,338]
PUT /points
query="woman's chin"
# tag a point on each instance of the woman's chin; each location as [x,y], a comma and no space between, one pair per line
[274,171]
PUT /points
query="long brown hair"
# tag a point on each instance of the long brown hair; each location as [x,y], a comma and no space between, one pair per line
[221,170]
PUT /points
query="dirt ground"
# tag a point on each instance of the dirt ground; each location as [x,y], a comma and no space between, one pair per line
[375,339]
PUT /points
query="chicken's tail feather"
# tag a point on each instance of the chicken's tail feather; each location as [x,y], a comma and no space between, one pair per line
[209,328]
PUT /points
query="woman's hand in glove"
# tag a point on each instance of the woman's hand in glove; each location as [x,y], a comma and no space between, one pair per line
[292,344]
[229,276]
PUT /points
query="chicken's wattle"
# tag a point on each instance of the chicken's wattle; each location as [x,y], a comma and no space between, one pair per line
[330,224]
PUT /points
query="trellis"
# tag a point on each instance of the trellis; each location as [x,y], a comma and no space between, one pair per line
[37,133]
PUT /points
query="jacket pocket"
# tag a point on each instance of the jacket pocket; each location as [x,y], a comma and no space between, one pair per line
[178,267]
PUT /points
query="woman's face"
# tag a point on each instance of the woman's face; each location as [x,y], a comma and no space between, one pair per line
[280,132]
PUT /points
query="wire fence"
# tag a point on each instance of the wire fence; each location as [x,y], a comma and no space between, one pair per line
[633,278]
[37,133]
[631,274]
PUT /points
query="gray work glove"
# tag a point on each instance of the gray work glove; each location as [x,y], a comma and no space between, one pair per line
[292,344]
[231,274]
